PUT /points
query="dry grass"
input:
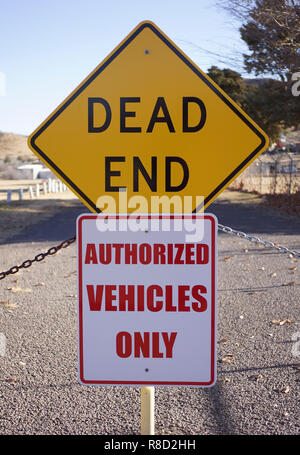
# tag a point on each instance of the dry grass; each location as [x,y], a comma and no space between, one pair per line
[18,215]
[289,203]
[234,196]
[14,146]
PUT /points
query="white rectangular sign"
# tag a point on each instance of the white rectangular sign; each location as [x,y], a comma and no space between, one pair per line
[147,299]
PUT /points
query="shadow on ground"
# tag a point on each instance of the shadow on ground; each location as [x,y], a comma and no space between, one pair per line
[247,217]
[58,227]
[255,218]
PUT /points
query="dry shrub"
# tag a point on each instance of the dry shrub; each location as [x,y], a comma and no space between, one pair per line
[289,203]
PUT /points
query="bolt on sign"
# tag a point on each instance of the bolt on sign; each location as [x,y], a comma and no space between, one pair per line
[147,300]
[147,120]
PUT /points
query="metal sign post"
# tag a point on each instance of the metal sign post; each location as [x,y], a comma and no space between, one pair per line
[147,410]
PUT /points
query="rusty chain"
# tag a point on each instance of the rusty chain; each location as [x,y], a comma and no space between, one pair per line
[228,230]
[39,257]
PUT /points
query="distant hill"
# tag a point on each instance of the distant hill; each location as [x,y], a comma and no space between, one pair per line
[14,146]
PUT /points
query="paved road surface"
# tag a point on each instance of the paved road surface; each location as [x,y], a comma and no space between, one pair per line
[257,391]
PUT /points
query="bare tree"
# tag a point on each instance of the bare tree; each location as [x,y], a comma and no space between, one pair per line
[271,29]
[237,8]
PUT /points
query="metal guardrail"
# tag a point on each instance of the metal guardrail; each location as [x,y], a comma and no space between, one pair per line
[49,186]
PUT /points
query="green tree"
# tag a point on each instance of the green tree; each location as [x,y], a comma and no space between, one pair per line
[231,82]
[271,30]
[267,101]
[266,104]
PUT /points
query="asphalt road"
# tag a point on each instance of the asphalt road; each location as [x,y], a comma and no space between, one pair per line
[257,391]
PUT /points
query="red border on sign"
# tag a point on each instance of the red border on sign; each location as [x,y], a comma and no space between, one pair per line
[213,302]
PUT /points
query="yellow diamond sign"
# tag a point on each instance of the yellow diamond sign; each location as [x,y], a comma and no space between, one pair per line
[147,120]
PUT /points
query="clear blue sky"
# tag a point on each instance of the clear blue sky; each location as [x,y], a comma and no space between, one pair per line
[49,46]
